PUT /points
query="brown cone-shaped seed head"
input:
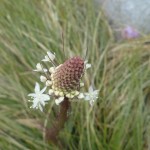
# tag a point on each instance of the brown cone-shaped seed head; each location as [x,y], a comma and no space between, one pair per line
[66,77]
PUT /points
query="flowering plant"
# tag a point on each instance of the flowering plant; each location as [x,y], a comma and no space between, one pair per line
[63,83]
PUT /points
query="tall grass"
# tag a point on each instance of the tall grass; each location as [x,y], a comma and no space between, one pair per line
[120,118]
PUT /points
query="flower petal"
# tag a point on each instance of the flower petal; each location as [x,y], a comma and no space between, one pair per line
[96,92]
[87,97]
[91,102]
[40,107]
[37,88]
[59,100]
[45,97]
[90,89]
[39,67]
[42,103]
[88,66]
[46,58]
[35,103]
[32,94]
[43,90]
[51,55]
[45,70]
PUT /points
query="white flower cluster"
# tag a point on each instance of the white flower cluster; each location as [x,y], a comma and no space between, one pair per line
[39,99]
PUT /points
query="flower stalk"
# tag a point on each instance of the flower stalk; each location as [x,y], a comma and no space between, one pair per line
[53,132]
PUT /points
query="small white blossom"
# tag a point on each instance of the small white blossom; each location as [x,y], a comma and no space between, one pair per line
[51,56]
[46,58]
[69,95]
[52,69]
[59,100]
[92,95]
[43,78]
[50,92]
[61,94]
[38,97]
[56,93]
[76,93]
[81,95]
[81,84]
[39,68]
[48,83]
[86,64]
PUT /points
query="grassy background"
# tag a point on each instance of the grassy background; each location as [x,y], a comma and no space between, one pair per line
[120,119]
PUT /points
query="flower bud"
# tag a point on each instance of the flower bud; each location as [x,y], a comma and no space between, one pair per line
[59,100]
[51,69]
[43,78]
[50,92]
[81,84]
[48,83]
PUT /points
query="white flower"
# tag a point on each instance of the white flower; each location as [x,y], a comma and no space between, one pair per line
[39,68]
[81,84]
[92,95]
[56,93]
[46,58]
[38,97]
[52,69]
[43,78]
[86,64]
[76,93]
[50,92]
[48,83]
[59,100]
[49,56]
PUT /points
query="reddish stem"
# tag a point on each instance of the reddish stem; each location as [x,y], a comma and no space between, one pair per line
[53,132]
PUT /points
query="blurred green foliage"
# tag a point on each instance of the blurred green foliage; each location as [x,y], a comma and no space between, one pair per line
[119,119]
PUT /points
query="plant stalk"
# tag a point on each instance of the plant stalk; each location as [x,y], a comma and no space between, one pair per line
[53,132]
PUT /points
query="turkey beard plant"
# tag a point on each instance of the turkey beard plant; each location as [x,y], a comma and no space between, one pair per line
[63,84]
